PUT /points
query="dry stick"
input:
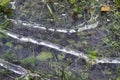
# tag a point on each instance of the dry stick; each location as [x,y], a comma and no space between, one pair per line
[59,48]
[42,27]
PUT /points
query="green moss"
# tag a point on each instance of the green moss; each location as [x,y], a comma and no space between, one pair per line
[117,2]
[118,78]
[1,36]
[4,72]
[92,54]
[61,56]
[31,60]
[7,55]
[8,44]
[4,24]
[43,56]
[4,2]
[4,9]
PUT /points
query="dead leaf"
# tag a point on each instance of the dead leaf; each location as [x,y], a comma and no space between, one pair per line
[105,8]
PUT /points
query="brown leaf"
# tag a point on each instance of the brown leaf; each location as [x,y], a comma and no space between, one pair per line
[105,8]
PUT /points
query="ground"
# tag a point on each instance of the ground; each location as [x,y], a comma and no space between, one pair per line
[63,14]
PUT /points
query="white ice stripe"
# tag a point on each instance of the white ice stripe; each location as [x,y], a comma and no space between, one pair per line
[42,27]
[108,60]
[16,68]
[50,29]
[45,43]
[72,31]
[12,67]
[59,48]
[61,30]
